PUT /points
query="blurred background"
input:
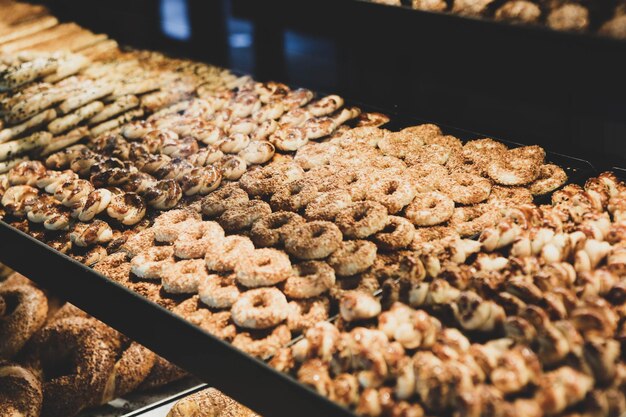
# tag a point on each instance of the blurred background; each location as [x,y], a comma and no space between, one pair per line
[524,84]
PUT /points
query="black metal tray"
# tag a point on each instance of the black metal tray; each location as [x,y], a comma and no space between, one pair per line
[246,379]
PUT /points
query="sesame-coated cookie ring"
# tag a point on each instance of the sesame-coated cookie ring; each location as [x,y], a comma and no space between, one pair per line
[313,240]
[260,308]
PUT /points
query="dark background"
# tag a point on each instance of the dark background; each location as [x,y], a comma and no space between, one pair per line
[564,91]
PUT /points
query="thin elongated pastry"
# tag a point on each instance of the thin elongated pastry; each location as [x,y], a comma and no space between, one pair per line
[35,104]
[90,94]
[72,120]
[120,105]
[14,131]
[137,87]
[101,50]
[68,66]
[43,36]
[17,75]
[71,42]
[117,122]
[16,13]
[61,142]
[28,28]
[20,146]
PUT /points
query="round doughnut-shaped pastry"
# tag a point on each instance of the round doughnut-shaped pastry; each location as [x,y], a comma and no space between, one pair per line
[294,195]
[223,257]
[397,234]
[152,263]
[23,310]
[79,347]
[270,230]
[392,193]
[304,314]
[353,257]
[131,369]
[127,208]
[309,279]
[471,220]
[194,241]
[316,154]
[218,201]
[244,215]
[20,391]
[406,141]
[425,236]
[263,344]
[450,142]
[313,240]
[362,219]
[429,209]
[218,291]
[484,148]
[263,267]
[260,308]
[183,277]
[258,152]
[465,188]
[425,177]
[432,154]
[164,195]
[201,180]
[232,167]
[517,166]
[265,180]
[169,225]
[551,177]
[510,195]
[327,206]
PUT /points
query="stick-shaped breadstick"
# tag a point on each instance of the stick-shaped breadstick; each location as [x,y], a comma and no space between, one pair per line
[14,131]
[17,147]
[61,142]
[119,106]
[117,122]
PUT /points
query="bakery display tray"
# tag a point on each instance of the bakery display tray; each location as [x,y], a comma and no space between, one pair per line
[215,362]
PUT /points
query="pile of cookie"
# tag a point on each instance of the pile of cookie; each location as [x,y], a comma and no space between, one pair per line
[533,323]
[609,19]
[55,360]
